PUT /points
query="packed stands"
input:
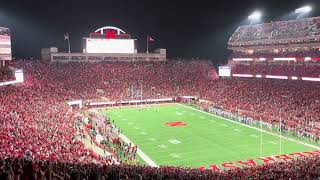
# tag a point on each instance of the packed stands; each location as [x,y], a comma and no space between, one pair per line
[306,168]
[6,74]
[269,55]
[279,32]
[296,102]
[38,126]
[280,69]
[279,50]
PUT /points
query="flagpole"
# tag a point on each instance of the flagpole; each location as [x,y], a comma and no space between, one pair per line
[69,44]
[147,44]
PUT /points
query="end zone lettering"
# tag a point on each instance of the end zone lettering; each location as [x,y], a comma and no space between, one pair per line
[261,160]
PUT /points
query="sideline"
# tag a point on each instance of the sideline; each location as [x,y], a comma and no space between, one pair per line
[267,132]
[149,161]
[146,158]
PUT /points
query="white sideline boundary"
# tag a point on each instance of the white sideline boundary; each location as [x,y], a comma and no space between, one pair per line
[286,138]
[139,152]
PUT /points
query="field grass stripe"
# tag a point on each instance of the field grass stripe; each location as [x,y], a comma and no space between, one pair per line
[146,158]
[286,138]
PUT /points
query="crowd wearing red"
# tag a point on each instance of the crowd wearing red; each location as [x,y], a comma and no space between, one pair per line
[38,133]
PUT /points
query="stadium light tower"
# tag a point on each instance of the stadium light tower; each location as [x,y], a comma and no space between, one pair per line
[303,10]
[255,16]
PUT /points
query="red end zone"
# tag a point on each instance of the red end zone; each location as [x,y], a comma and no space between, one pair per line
[176,123]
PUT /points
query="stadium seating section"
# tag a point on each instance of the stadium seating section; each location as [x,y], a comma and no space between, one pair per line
[5,74]
[38,136]
[297,70]
[280,32]
[313,53]
[26,169]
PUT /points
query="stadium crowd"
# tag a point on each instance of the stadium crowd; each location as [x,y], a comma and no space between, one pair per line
[297,70]
[6,74]
[302,54]
[38,126]
[107,136]
[306,168]
[278,32]
[296,102]
[34,128]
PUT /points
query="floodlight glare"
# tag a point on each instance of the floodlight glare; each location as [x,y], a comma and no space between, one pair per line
[255,16]
[304,9]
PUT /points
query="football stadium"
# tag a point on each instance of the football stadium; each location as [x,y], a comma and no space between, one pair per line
[116,109]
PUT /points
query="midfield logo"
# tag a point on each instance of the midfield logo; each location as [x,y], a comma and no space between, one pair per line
[176,123]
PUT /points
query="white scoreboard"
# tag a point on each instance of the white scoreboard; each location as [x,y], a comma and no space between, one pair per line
[110,45]
[5,44]
[19,75]
[224,71]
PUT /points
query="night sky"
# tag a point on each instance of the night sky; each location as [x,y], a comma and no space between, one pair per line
[185,28]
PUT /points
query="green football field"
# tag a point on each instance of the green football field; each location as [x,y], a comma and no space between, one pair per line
[179,135]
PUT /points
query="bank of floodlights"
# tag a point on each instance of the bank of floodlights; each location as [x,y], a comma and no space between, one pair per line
[303,10]
[255,16]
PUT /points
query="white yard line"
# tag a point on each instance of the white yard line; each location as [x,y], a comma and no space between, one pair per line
[286,138]
[140,153]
